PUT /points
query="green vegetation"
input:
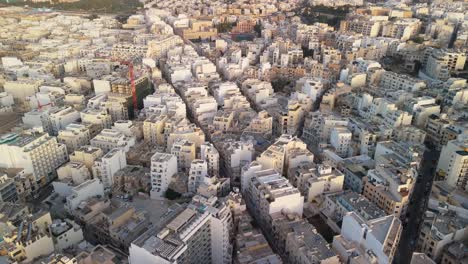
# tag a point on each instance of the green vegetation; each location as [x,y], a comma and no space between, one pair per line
[225,27]
[324,14]
[172,195]
[105,6]
[280,84]
[418,39]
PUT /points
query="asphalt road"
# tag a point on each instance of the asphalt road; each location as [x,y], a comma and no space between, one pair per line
[416,208]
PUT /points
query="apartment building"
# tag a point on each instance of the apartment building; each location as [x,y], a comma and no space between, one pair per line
[393,81]
[82,192]
[261,124]
[60,118]
[337,205]
[31,239]
[117,225]
[221,227]
[438,231]
[65,233]
[86,155]
[374,241]
[105,167]
[109,139]
[340,140]
[268,193]
[183,235]
[70,175]
[453,162]
[441,63]
[185,152]
[198,174]
[210,154]
[37,153]
[163,168]
[98,117]
[251,245]
[74,136]
[236,154]
[315,181]
[8,191]
[389,187]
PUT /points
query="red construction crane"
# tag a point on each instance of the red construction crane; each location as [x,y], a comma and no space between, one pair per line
[132,83]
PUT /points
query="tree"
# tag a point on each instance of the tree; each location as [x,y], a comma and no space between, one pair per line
[172,195]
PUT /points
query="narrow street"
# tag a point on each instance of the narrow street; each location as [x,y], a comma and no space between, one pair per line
[416,208]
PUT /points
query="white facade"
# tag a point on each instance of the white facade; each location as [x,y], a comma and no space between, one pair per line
[74,136]
[198,174]
[210,154]
[163,168]
[453,162]
[105,167]
[111,138]
[311,86]
[376,240]
[340,139]
[70,175]
[37,153]
[96,116]
[83,192]
[65,234]
[270,193]
[61,118]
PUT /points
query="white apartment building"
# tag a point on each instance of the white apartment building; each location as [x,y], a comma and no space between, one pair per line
[340,139]
[267,193]
[182,236]
[397,118]
[37,153]
[203,108]
[318,127]
[453,162]
[236,155]
[163,168]
[69,176]
[439,230]
[65,234]
[105,167]
[442,62]
[184,130]
[210,154]
[261,124]
[159,46]
[96,116]
[60,118]
[313,87]
[316,181]
[374,241]
[127,127]
[82,192]
[394,82]
[37,119]
[257,91]
[221,227]
[224,89]
[110,138]
[198,174]
[74,136]
[422,108]
[165,103]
